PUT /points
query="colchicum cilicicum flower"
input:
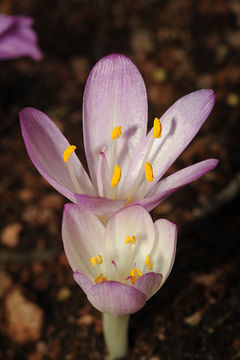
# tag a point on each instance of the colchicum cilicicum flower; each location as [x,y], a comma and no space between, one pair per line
[17,38]
[120,265]
[125,165]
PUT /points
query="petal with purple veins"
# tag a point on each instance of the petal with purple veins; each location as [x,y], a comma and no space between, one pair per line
[171,183]
[83,238]
[115,94]
[116,298]
[149,283]
[45,146]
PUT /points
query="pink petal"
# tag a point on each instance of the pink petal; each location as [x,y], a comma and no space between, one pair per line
[148,284]
[82,280]
[99,205]
[116,298]
[167,186]
[115,94]
[164,250]
[82,234]
[180,123]
[45,146]
[17,38]
[129,221]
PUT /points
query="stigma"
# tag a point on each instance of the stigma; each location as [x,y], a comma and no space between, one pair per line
[116,133]
[96,260]
[148,172]
[68,152]
[157,128]
[130,239]
[116,176]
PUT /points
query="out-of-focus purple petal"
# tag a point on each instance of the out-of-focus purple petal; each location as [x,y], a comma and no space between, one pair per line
[45,146]
[129,221]
[164,250]
[115,95]
[82,280]
[171,183]
[99,205]
[116,298]
[5,22]
[149,283]
[17,38]
[82,234]
[180,123]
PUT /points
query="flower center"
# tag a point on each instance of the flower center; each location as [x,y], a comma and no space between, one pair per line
[128,266]
[107,183]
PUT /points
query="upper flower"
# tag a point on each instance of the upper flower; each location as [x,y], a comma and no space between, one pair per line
[17,38]
[125,165]
[122,265]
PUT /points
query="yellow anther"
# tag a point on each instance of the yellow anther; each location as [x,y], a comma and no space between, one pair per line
[157,128]
[100,278]
[96,260]
[116,176]
[135,274]
[68,152]
[149,261]
[130,239]
[117,131]
[148,172]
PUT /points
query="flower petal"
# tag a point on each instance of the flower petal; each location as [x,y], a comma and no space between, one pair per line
[45,146]
[99,205]
[116,298]
[82,280]
[82,234]
[115,94]
[149,283]
[164,250]
[18,38]
[173,182]
[180,123]
[129,221]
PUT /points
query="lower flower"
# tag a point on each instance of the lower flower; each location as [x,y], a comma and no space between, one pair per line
[122,264]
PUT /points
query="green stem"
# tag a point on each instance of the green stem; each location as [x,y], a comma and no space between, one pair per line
[115,329]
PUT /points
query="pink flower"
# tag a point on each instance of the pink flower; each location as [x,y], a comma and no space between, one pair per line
[122,265]
[126,165]
[17,38]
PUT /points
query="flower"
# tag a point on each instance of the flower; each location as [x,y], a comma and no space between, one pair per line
[121,265]
[125,165]
[17,38]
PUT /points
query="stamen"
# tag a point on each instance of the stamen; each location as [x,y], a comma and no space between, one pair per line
[100,278]
[68,152]
[117,131]
[116,176]
[148,172]
[136,274]
[130,239]
[149,261]
[96,260]
[157,128]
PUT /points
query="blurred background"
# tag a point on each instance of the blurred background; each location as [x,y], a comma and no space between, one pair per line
[179,46]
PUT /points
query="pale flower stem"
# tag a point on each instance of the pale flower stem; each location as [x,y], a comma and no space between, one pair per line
[115,330]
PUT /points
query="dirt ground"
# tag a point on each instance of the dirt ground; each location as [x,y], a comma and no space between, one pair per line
[179,46]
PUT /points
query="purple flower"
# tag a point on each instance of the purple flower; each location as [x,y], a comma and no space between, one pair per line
[17,38]
[122,265]
[125,165]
